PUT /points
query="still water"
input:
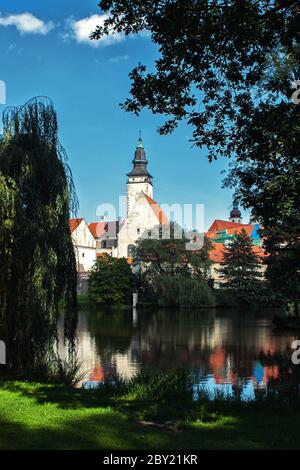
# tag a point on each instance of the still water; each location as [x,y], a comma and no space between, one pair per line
[227,350]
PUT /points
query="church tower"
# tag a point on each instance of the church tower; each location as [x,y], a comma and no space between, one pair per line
[235,214]
[139,179]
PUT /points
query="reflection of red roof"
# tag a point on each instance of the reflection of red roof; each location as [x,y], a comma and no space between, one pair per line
[97,228]
[161,216]
[73,223]
[97,374]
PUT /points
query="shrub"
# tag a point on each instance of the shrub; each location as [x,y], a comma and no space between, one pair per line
[181,291]
[110,281]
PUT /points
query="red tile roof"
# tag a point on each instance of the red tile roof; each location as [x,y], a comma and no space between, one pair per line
[216,254]
[97,228]
[234,230]
[219,225]
[73,224]
[161,216]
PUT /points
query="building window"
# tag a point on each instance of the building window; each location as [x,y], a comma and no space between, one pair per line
[82,255]
[149,233]
[138,231]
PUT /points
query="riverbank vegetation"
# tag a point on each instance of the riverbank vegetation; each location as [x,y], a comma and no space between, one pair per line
[141,414]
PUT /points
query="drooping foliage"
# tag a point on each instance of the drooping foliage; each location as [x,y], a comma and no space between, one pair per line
[38,265]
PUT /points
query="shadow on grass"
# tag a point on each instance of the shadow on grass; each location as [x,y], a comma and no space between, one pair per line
[38,416]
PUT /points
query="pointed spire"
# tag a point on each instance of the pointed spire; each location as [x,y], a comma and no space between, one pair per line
[140,160]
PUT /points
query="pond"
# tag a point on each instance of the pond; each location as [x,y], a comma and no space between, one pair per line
[228,350]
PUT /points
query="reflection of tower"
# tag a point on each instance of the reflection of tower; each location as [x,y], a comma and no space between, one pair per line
[235,214]
[139,179]
[134,316]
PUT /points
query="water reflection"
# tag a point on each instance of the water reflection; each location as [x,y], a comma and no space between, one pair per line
[233,351]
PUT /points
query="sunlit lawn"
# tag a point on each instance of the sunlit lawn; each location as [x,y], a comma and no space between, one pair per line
[36,416]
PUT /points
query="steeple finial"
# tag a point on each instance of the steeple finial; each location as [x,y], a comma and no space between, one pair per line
[140,142]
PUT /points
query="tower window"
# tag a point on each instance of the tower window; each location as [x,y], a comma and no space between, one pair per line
[138,231]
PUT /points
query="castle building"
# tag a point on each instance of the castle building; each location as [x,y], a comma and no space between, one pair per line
[222,232]
[144,216]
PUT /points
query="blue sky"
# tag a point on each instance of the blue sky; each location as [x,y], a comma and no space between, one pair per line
[47,53]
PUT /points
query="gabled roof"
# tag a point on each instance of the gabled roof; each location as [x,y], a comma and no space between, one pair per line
[106,229]
[97,228]
[160,215]
[73,224]
[219,225]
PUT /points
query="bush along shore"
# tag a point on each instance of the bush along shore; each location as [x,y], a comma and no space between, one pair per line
[154,411]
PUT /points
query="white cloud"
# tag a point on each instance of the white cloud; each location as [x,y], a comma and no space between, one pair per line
[119,58]
[26,23]
[82,29]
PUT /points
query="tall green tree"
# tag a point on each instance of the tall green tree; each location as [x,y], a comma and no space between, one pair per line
[212,57]
[170,255]
[241,269]
[172,275]
[111,281]
[227,67]
[38,265]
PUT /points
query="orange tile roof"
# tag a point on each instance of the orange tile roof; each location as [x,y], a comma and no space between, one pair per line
[97,228]
[161,216]
[73,224]
[234,230]
[219,225]
[216,254]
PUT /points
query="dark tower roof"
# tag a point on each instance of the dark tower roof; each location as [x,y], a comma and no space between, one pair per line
[235,212]
[140,161]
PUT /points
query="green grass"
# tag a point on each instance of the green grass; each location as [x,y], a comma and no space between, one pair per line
[39,416]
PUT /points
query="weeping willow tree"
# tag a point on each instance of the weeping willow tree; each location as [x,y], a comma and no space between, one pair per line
[37,259]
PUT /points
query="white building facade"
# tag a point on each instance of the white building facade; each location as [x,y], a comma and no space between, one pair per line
[84,245]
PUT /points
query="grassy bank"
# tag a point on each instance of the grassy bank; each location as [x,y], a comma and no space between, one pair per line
[40,416]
